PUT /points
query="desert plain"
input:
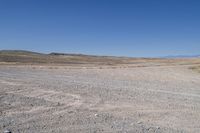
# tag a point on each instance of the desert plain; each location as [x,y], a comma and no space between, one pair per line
[66,94]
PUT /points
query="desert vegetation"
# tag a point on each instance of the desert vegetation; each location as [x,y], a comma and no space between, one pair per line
[195,68]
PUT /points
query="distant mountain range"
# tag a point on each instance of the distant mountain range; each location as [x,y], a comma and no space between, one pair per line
[182,56]
[29,57]
[22,56]
[30,53]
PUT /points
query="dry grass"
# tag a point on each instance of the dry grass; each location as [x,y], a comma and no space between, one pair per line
[196,68]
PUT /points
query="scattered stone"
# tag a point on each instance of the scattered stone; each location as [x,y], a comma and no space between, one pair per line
[91,105]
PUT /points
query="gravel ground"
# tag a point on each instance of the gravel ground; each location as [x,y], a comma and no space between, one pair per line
[160,99]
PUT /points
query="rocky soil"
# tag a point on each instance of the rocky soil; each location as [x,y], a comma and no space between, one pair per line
[157,99]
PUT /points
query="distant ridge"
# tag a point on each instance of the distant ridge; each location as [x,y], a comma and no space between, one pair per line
[182,56]
[28,57]
[23,56]
[18,52]
[69,54]
[26,52]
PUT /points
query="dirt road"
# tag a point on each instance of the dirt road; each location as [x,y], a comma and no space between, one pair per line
[159,99]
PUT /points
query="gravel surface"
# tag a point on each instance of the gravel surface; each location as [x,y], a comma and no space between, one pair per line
[160,99]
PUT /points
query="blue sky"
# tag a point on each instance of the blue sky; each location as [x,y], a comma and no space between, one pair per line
[147,28]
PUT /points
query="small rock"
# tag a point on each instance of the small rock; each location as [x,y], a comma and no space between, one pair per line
[96,115]
[70,112]
[7,131]
[158,127]
[139,122]
[149,128]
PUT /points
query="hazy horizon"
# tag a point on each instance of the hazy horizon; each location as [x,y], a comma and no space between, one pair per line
[107,27]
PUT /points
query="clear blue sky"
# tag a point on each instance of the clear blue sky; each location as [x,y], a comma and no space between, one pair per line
[102,27]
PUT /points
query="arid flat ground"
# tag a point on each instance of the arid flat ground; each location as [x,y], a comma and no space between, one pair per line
[151,99]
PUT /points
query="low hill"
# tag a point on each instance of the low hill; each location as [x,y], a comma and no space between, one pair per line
[28,57]
[21,56]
